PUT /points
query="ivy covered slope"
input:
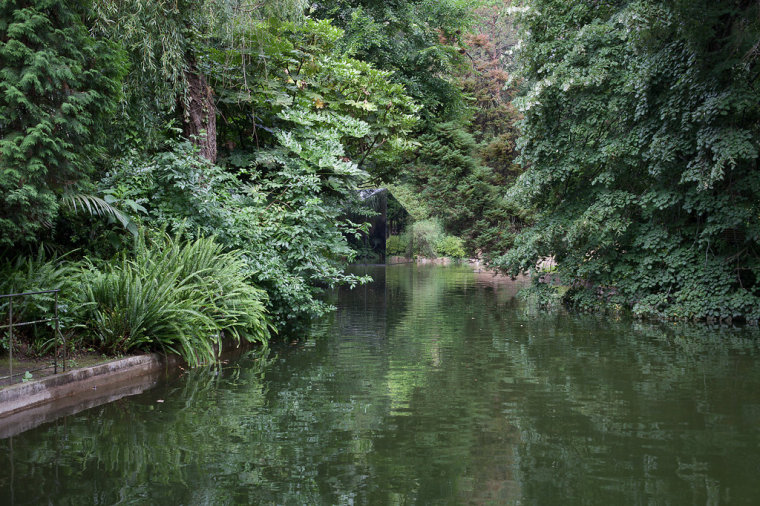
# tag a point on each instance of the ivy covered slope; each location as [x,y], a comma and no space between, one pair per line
[641,132]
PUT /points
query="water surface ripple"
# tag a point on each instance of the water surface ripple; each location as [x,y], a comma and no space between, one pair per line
[429,386]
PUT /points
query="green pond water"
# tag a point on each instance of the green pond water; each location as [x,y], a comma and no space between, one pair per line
[431,385]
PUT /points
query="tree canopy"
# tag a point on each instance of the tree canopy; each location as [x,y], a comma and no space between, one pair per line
[620,139]
[58,87]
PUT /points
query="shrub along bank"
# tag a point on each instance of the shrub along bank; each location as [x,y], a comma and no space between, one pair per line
[169,294]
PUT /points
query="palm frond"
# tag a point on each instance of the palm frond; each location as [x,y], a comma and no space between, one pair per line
[96,206]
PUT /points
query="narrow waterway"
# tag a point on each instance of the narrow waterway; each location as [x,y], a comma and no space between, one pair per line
[431,385]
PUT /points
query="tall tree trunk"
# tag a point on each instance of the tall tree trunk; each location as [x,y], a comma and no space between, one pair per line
[199,114]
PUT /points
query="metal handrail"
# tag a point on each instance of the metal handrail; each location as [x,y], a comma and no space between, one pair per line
[29,293]
[21,324]
[55,319]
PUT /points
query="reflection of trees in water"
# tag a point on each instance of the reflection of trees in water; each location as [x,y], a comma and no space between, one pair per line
[429,393]
[592,399]
[181,450]
[429,385]
[623,410]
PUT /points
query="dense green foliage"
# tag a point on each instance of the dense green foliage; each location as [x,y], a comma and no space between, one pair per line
[493,125]
[304,124]
[316,106]
[285,229]
[450,246]
[444,166]
[641,133]
[165,41]
[425,235]
[171,295]
[257,122]
[398,245]
[417,40]
[57,87]
[277,191]
[459,189]
[452,58]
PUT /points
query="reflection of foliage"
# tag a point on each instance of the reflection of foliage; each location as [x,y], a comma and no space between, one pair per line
[432,387]
[629,395]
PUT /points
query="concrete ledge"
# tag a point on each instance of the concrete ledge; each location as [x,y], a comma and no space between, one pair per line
[24,396]
[29,418]
[24,406]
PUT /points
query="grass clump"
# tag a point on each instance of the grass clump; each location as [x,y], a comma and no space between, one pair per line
[174,296]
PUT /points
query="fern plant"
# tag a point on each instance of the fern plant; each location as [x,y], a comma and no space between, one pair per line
[175,296]
[96,206]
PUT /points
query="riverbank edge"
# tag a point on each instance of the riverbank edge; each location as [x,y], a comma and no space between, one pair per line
[24,396]
[24,406]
